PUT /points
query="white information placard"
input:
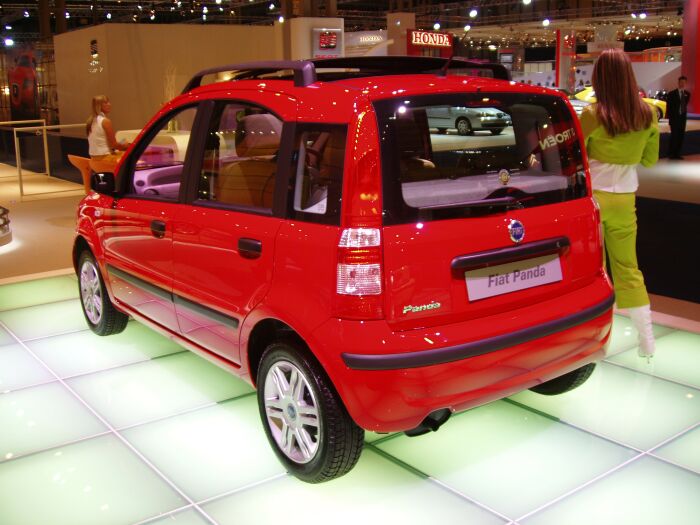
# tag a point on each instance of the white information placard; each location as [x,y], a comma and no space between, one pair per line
[506,278]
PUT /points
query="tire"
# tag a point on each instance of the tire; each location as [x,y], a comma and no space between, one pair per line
[101,315]
[291,384]
[464,127]
[565,383]
[496,131]
[442,131]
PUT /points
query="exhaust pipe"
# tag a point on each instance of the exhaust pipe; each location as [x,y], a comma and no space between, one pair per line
[432,422]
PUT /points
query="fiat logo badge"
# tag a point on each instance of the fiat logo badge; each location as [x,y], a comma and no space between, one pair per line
[516,230]
[504,176]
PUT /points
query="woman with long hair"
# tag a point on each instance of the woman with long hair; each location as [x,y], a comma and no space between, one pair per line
[101,137]
[621,131]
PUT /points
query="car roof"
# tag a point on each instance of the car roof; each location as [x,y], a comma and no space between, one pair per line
[343,81]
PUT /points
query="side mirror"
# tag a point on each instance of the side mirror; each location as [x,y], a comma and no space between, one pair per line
[103,183]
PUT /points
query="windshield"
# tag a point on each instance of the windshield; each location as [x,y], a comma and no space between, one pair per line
[451,156]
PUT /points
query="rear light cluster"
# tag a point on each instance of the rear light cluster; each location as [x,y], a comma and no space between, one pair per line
[359,274]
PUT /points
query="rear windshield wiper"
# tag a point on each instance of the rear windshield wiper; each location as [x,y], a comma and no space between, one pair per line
[507,203]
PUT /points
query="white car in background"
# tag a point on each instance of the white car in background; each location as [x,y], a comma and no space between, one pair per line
[468,120]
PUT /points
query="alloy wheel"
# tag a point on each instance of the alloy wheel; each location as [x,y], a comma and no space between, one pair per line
[292,412]
[91,291]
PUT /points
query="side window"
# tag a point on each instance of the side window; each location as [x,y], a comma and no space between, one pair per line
[318,172]
[159,165]
[240,156]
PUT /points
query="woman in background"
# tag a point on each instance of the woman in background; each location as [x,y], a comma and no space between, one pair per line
[101,138]
[621,132]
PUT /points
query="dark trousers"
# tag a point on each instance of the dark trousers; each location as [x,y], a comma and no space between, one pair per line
[677,133]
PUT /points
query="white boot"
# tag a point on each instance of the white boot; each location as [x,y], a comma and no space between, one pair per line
[641,317]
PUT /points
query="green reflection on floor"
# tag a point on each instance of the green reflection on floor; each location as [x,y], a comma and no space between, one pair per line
[19,369]
[95,482]
[684,450]
[45,320]
[676,358]
[647,492]
[211,451]
[83,352]
[160,387]
[635,409]
[502,438]
[39,291]
[41,417]
[503,456]
[376,491]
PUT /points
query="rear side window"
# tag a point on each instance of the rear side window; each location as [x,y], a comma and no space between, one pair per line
[451,156]
[317,172]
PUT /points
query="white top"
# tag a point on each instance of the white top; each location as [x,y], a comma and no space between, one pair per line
[97,139]
[613,178]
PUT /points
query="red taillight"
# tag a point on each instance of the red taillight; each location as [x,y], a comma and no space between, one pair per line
[359,274]
[600,236]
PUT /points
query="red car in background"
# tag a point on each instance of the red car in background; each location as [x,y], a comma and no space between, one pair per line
[308,232]
[24,98]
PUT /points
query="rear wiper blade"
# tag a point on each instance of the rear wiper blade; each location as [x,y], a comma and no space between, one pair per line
[508,203]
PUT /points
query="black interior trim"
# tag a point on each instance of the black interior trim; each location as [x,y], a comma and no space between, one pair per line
[475,348]
[510,254]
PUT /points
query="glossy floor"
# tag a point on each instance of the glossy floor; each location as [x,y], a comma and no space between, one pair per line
[131,429]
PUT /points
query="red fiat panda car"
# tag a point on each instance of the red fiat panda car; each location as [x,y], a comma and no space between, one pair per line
[303,226]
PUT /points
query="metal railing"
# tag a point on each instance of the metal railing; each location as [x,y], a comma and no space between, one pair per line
[38,131]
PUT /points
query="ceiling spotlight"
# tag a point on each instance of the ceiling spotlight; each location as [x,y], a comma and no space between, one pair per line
[218,1]
[109,16]
[642,15]
[473,13]
[634,15]
[467,27]
[545,22]
[527,2]
[492,47]
[26,15]
[436,26]
[9,42]
[8,28]
[205,10]
[271,6]
[281,19]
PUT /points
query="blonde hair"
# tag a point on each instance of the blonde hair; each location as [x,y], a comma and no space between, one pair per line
[97,102]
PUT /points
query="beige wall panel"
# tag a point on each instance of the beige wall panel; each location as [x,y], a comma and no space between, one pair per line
[145,65]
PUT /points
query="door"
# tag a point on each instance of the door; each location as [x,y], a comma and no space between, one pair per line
[137,233]
[224,243]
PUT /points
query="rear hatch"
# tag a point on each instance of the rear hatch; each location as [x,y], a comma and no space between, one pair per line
[483,223]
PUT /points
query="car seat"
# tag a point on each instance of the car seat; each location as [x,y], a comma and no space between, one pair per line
[249,179]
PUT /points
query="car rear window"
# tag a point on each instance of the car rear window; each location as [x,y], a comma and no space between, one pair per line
[463,155]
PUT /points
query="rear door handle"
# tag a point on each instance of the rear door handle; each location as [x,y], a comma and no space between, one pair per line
[158,229]
[249,248]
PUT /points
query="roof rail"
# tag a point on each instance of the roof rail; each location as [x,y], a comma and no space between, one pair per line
[388,65]
[304,71]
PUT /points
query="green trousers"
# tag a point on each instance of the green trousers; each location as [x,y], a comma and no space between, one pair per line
[619,217]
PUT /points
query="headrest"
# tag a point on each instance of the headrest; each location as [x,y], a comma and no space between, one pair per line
[260,135]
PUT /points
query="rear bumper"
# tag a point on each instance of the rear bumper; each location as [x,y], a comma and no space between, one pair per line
[397,386]
[438,356]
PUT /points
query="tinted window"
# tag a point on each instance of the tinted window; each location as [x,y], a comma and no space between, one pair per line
[317,172]
[464,155]
[240,156]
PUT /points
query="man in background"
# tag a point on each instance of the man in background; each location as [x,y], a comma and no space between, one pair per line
[677,113]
